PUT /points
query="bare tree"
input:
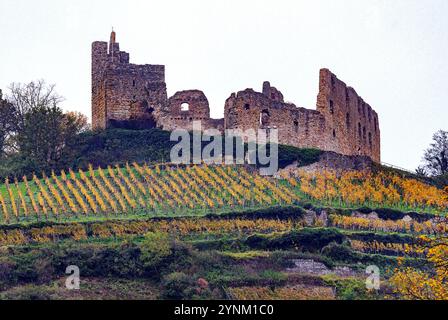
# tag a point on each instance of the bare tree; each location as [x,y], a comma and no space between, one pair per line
[436,156]
[31,96]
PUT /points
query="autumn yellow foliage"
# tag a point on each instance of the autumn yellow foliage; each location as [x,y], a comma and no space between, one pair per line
[361,188]
[415,284]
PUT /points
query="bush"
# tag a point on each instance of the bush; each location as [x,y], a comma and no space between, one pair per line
[308,239]
[178,286]
[385,238]
[315,239]
[155,247]
[351,289]
[338,252]
[288,155]
[29,292]
[441,181]
[181,257]
[221,244]
[278,212]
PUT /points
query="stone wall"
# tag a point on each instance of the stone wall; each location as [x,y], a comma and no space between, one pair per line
[124,94]
[351,121]
[184,107]
[135,96]
[296,126]
[342,123]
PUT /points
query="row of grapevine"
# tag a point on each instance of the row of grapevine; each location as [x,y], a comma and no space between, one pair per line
[139,189]
[358,188]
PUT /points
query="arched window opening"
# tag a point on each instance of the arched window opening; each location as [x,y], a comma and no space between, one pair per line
[265,118]
[331,107]
[296,126]
[185,107]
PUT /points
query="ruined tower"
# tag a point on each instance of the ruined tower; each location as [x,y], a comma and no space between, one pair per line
[124,95]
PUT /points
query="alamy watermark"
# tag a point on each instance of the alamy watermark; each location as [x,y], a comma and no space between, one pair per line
[262,147]
[373,281]
[73,280]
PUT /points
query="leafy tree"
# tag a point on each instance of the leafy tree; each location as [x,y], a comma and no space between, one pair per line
[34,129]
[7,120]
[436,156]
[42,135]
[46,132]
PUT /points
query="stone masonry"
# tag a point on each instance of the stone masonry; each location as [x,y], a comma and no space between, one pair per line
[126,95]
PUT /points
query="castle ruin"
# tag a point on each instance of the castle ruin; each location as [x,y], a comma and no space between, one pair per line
[126,95]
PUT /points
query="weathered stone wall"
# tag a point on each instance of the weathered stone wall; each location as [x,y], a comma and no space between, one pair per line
[272,92]
[124,94]
[342,123]
[127,95]
[184,107]
[296,126]
[351,121]
[135,96]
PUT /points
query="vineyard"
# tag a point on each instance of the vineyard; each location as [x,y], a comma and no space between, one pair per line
[357,188]
[133,190]
[222,232]
[170,190]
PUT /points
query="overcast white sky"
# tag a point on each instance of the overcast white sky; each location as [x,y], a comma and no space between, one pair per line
[393,52]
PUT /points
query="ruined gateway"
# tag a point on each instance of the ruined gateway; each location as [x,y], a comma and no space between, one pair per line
[126,95]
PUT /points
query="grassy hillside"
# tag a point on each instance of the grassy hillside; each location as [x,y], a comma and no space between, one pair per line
[142,231]
[274,253]
[120,146]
